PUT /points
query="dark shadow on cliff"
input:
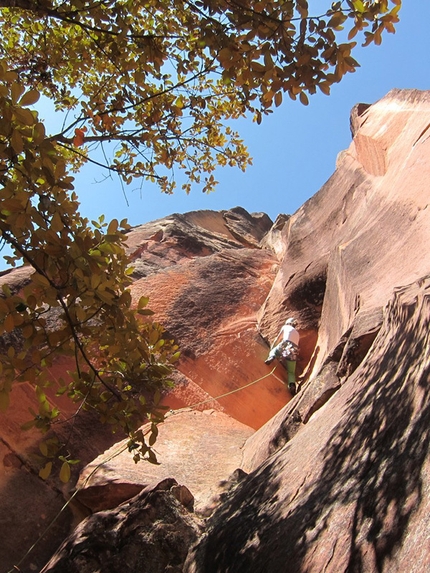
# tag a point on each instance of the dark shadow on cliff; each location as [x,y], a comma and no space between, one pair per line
[371,470]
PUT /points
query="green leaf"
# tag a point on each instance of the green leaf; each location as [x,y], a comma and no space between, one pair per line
[143,301]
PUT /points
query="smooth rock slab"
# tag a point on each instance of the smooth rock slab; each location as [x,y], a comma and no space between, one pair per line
[198,449]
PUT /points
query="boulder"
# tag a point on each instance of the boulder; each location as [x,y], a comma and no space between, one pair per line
[150,533]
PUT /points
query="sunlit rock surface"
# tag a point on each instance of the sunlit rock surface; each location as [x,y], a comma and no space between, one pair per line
[351,490]
[200,449]
[336,478]
[340,478]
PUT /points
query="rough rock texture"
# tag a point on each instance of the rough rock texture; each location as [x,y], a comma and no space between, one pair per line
[207,276]
[183,444]
[28,504]
[365,232]
[340,477]
[150,534]
[214,278]
[351,490]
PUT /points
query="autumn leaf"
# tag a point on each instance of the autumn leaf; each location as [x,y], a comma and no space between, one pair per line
[79,138]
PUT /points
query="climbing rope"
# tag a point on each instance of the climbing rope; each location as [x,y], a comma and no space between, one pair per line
[227,393]
[112,456]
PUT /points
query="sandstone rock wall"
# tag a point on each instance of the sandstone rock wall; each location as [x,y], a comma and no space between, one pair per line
[335,479]
[364,233]
[340,478]
[207,276]
[351,490]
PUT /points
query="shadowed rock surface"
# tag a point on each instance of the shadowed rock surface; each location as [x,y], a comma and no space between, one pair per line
[336,478]
[149,534]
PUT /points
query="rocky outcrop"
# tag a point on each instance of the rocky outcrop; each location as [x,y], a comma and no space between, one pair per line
[340,477]
[208,301]
[149,534]
[336,478]
[363,233]
[350,491]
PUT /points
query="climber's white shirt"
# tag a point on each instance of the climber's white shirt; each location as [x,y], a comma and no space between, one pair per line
[290,333]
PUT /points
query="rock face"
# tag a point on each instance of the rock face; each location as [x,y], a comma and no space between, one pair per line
[351,490]
[183,444]
[340,478]
[215,277]
[336,478]
[207,276]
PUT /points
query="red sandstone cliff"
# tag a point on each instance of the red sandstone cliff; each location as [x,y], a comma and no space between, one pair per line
[335,479]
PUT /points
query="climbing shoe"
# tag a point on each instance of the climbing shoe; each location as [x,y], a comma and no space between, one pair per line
[268,360]
[292,389]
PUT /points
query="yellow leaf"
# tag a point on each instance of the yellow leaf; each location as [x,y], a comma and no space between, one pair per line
[43,448]
[45,472]
[113,227]
[143,301]
[65,472]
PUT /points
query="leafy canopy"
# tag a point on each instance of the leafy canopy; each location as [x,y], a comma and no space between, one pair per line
[160,78]
[142,88]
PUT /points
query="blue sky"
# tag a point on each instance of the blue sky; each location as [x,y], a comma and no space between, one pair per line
[294,150]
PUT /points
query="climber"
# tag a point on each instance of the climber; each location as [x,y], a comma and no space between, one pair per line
[287,351]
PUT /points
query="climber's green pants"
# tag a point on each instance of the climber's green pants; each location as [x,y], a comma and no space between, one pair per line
[291,369]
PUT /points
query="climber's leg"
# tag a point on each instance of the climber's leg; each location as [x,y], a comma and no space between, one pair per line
[291,369]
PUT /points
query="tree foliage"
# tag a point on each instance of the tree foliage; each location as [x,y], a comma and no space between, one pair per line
[160,78]
[143,88]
